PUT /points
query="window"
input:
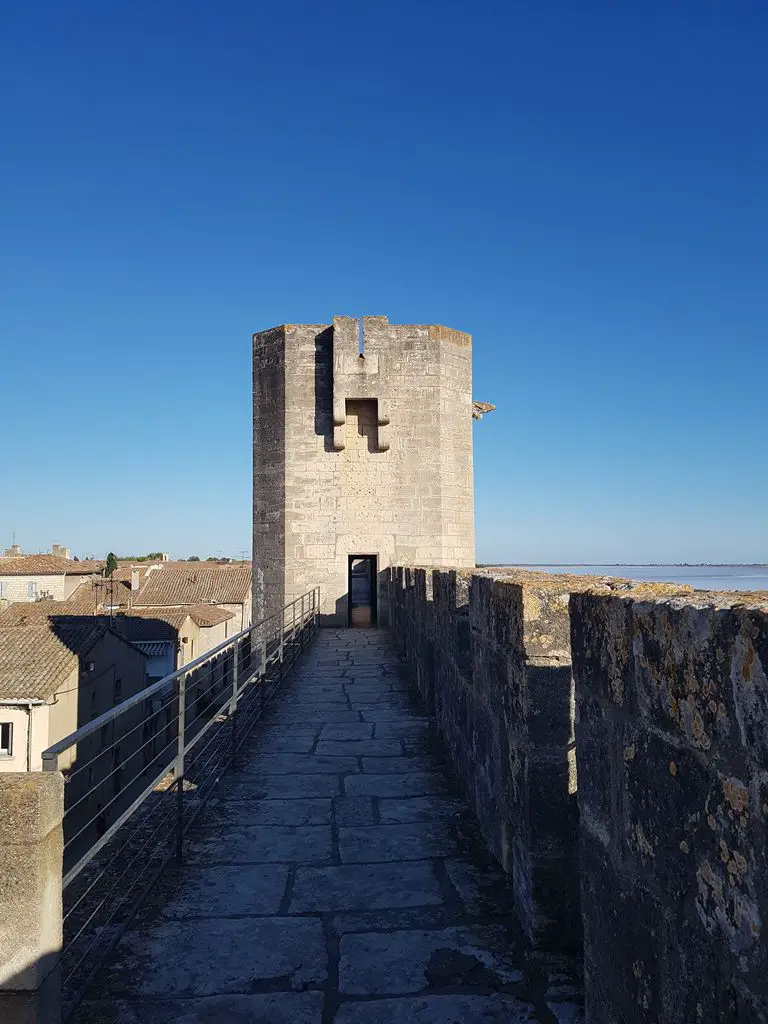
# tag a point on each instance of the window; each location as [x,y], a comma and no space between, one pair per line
[31,591]
[6,739]
[362,426]
[3,588]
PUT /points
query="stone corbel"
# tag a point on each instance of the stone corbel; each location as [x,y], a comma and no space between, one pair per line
[383,424]
[339,421]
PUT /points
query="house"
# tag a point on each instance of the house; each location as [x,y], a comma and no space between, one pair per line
[32,577]
[167,637]
[198,628]
[56,675]
[226,587]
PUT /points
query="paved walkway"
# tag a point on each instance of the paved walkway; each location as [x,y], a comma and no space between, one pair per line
[335,879]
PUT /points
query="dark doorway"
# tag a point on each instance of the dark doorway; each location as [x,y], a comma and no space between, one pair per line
[361,587]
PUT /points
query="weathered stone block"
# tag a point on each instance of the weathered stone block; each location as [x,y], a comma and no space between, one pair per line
[601,646]
[672,795]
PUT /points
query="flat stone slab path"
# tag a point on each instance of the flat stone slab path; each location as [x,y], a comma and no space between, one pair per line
[335,878]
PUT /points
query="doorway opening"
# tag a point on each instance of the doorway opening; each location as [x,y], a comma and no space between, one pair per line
[361,587]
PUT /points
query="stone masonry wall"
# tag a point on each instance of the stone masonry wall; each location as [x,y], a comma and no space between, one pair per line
[672,747]
[329,482]
[490,660]
[490,657]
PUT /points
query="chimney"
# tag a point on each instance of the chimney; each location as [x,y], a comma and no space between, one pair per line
[135,579]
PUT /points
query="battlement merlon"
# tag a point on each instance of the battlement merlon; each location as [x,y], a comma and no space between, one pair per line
[391,354]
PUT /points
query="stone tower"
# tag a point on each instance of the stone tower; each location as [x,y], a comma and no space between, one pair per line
[362,458]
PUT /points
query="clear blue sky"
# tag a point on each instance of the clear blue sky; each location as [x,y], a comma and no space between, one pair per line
[582,186]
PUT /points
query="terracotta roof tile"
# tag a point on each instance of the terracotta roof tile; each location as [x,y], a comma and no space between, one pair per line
[47,565]
[35,660]
[209,614]
[30,613]
[191,586]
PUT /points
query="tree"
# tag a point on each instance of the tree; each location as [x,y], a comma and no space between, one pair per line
[111,565]
[194,558]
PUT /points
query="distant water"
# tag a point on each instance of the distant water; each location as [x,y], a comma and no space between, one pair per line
[702,577]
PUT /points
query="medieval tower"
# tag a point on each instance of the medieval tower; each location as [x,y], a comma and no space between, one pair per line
[362,458]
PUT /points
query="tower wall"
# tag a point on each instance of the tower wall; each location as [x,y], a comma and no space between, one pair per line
[353,455]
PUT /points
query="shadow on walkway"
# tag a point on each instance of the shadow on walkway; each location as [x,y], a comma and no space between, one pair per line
[334,877]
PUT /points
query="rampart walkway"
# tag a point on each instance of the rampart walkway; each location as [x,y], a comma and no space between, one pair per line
[334,878]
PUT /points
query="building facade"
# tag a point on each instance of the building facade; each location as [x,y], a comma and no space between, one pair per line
[362,456]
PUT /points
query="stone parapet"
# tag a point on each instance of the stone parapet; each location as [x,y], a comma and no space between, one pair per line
[31,811]
[489,652]
[672,751]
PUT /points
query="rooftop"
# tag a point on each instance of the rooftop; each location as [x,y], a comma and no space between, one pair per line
[36,660]
[47,565]
[193,586]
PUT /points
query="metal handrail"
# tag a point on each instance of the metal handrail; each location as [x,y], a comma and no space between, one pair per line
[49,755]
[158,764]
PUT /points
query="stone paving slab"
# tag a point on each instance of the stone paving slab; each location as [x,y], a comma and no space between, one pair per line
[218,814]
[395,765]
[412,841]
[410,784]
[268,1008]
[420,808]
[260,844]
[278,787]
[376,748]
[439,1009]
[354,810]
[365,887]
[307,764]
[221,891]
[398,963]
[335,877]
[217,956]
[352,731]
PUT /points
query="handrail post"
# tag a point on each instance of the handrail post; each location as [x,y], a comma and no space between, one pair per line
[263,669]
[302,635]
[233,701]
[178,768]
[282,636]
[293,634]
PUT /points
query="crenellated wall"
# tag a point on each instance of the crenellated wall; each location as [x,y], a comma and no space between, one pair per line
[672,748]
[491,659]
[660,850]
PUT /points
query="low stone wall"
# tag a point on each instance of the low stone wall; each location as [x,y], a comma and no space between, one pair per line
[672,746]
[490,656]
[31,842]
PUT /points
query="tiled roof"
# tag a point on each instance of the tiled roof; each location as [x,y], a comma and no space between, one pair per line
[145,627]
[47,565]
[34,565]
[209,614]
[35,660]
[31,613]
[174,617]
[85,566]
[174,587]
[205,564]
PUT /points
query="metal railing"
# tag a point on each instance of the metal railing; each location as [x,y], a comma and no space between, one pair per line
[137,776]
